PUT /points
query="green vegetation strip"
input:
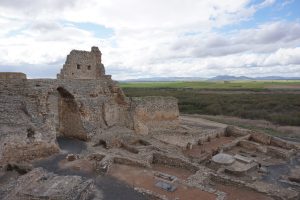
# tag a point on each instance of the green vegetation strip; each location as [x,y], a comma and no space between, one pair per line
[216,85]
[279,108]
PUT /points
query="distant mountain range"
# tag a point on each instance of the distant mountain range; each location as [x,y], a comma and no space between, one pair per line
[216,78]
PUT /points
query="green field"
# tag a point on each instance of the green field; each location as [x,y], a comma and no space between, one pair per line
[278,107]
[217,85]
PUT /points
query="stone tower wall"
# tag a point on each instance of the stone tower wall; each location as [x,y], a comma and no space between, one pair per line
[83,65]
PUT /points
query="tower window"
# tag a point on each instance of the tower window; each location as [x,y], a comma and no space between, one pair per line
[89,67]
[78,66]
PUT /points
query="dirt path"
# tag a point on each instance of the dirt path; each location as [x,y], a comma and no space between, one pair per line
[236,193]
[144,178]
[201,121]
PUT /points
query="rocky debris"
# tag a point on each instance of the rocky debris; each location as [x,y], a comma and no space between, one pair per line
[40,184]
[279,152]
[274,191]
[294,176]
[21,168]
[72,157]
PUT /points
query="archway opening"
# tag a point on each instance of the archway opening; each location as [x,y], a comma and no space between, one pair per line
[70,123]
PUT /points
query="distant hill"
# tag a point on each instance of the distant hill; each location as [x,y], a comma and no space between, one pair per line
[165,79]
[245,78]
[216,78]
[230,78]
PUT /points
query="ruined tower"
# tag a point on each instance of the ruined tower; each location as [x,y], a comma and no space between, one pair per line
[83,65]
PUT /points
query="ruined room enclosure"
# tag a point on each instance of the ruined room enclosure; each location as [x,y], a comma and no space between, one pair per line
[209,163]
[80,137]
[199,159]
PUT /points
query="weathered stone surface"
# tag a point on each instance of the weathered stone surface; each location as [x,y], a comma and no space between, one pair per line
[279,152]
[223,159]
[12,75]
[82,103]
[151,114]
[40,184]
[83,65]
[253,146]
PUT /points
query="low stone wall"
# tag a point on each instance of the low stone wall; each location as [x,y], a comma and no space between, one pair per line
[151,114]
[12,75]
[173,162]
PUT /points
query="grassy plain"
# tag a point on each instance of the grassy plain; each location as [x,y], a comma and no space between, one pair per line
[275,101]
[218,85]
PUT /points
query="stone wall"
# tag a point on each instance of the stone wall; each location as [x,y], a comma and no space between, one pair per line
[81,103]
[34,112]
[12,75]
[83,65]
[152,114]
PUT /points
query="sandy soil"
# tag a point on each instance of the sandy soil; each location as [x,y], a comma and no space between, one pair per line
[144,178]
[236,193]
[207,147]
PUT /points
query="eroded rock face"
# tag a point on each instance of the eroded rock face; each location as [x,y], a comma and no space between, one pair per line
[40,184]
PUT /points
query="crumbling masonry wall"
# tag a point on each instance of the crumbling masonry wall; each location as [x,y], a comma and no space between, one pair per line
[152,114]
[83,65]
[82,103]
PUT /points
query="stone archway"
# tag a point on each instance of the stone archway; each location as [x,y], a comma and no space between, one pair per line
[70,123]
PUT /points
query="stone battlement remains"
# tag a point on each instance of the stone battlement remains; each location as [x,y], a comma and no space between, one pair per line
[83,65]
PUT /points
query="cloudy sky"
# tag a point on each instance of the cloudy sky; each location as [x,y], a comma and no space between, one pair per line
[146,38]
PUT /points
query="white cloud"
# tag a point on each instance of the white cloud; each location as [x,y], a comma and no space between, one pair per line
[151,37]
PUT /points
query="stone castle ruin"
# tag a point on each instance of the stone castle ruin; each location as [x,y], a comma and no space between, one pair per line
[81,103]
[83,65]
[141,141]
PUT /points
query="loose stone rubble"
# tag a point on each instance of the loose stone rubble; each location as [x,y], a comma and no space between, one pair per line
[131,139]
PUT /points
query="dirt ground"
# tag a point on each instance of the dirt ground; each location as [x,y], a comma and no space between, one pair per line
[144,178]
[273,129]
[207,147]
[80,165]
[201,121]
[180,173]
[236,193]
